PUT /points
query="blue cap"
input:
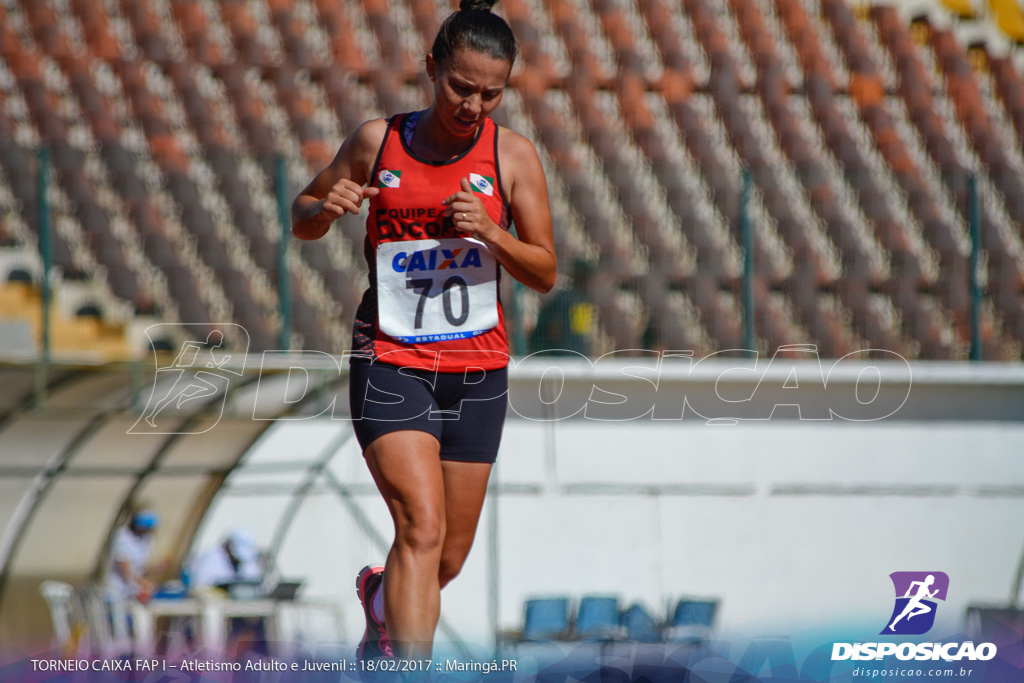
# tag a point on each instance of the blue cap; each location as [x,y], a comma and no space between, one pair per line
[145,519]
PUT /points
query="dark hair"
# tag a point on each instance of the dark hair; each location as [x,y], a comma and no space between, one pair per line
[474,27]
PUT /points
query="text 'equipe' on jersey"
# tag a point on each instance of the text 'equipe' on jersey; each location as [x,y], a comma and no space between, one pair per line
[419,223]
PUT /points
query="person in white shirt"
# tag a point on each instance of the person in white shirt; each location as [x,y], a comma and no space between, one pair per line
[129,554]
[234,560]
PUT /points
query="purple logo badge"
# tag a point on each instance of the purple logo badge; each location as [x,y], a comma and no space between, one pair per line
[916,593]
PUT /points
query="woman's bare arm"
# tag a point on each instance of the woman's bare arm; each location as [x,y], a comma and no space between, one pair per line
[530,258]
[339,188]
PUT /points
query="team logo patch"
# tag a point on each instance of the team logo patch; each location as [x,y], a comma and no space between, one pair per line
[482,184]
[916,593]
[389,178]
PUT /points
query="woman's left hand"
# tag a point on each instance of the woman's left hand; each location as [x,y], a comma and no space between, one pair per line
[468,213]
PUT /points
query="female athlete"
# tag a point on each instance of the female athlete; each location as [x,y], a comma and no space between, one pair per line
[429,396]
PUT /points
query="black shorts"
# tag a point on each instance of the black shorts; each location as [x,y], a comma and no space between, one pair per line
[464,411]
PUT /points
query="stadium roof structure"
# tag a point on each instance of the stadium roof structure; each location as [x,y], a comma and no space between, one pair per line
[74,459]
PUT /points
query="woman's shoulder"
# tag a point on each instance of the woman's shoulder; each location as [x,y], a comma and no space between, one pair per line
[516,150]
[511,141]
[359,148]
[370,133]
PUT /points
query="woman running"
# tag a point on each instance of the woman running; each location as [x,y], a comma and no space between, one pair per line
[429,396]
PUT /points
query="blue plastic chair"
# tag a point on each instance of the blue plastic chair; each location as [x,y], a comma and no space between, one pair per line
[546,619]
[692,620]
[640,625]
[598,618]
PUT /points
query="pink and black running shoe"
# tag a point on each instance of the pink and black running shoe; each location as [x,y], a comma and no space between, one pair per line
[375,643]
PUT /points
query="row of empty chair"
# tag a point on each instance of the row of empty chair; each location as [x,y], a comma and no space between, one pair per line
[81,336]
[603,617]
[1005,15]
[166,119]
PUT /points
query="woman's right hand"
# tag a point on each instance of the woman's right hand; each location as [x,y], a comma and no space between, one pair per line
[338,189]
[345,197]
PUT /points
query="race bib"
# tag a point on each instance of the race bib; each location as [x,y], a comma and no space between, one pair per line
[436,290]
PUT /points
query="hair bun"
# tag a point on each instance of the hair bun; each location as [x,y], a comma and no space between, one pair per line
[481,5]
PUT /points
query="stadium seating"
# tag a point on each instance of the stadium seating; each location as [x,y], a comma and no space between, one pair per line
[546,619]
[1009,17]
[598,617]
[82,337]
[165,118]
[692,620]
[640,625]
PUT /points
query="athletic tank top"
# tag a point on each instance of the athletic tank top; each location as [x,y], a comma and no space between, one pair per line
[433,297]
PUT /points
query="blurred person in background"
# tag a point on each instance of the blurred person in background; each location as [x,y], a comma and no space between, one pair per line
[566,322]
[233,567]
[235,560]
[130,550]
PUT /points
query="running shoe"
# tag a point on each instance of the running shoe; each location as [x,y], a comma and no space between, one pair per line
[375,641]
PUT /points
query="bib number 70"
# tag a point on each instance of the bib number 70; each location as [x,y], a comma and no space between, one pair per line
[423,287]
[436,290]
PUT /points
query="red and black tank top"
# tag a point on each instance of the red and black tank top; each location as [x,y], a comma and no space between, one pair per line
[433,297]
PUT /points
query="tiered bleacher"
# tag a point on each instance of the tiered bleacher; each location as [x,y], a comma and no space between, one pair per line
[861,125]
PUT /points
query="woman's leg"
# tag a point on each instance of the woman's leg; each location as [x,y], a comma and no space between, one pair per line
[435,506]
[407,468]
[465,485]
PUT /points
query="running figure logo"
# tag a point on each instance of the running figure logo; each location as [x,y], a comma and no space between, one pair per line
[199,374]
[916,593]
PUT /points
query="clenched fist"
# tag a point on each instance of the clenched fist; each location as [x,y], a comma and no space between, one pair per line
[345,197]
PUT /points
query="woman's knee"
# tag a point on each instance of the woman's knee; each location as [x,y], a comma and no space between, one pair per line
[449,570]
[421,530]
[453,558]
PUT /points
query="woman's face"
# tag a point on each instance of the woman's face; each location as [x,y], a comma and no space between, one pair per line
[467,87]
